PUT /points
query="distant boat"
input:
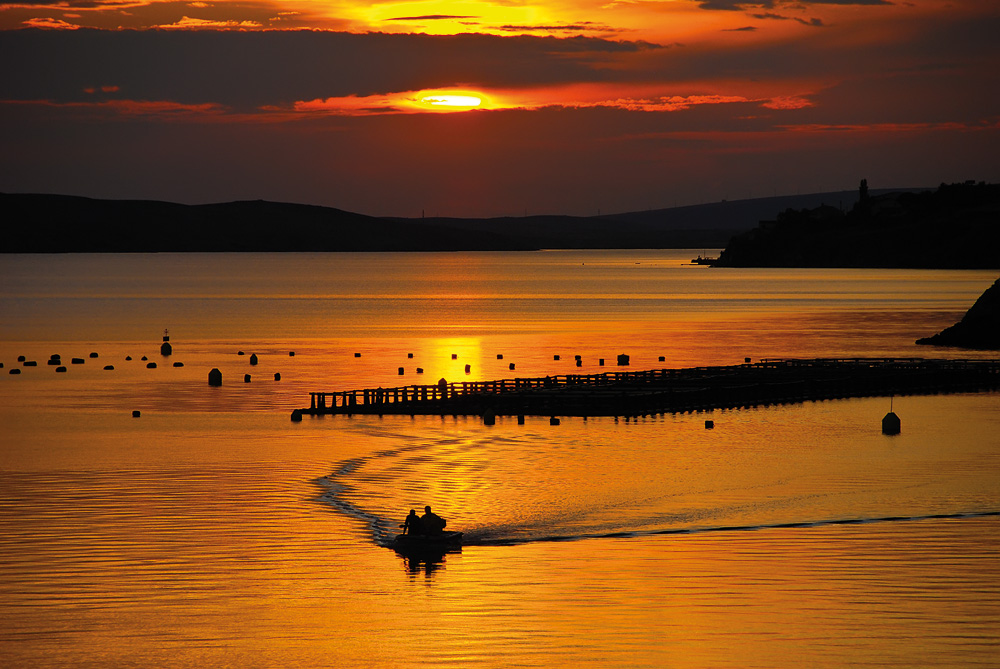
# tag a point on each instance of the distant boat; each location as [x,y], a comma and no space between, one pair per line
[703,261]
[421,544]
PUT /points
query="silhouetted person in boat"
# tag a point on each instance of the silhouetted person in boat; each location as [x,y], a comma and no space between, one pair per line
[413,524]
[433,523]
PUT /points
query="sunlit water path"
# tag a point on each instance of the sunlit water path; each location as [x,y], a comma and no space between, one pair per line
[214,531]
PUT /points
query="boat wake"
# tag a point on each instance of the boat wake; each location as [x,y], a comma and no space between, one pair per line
[483,538]
[503,489]
[383,530]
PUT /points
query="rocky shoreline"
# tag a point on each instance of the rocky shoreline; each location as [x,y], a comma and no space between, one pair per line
[979,328]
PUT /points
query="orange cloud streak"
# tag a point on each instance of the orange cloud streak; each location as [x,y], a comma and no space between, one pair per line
[162,109]
[577,96]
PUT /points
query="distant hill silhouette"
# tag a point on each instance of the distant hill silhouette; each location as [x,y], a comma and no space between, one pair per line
[64,224]
[700,226]
[955,226]
[61,224]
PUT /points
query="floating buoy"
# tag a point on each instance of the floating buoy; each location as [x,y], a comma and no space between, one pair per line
[297,416]
[409,355]
[291,354]
[240,353]
[93,354]
[277,376]
[499,356]
[622,360]
[31,363]
[454,356]
[215,377]
[553,421]
[520,419]
[77,361]
[489,418]
[246,378]
[136,414]
[14,370]
[150,365]
[709,424]
[663,358]
[60,369]
[891,424]
[511,366]
[165,348]
[468,368]
[253,358]
[600,362]
[420,370]
[109,368]
[400,371]
[357,355]
[555,357]
[128,357]
[178,364]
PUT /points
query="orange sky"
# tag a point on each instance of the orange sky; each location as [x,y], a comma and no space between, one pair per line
[490,108]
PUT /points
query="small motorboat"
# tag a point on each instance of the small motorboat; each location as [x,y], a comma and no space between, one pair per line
[445,542]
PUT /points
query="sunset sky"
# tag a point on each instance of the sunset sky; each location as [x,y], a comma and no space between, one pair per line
[504,107]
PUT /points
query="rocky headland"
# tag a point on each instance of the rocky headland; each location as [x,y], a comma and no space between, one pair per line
[979,328]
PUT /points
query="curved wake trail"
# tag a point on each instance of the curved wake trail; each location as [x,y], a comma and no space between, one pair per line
[535,489]
[382,530]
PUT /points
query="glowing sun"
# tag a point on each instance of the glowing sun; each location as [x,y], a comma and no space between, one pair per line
[452,100]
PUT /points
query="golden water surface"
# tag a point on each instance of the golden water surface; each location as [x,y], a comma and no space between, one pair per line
[213,531]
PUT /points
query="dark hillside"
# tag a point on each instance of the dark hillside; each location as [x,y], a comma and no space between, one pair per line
[62,224]
[955,226]
[66,224]
[702,226]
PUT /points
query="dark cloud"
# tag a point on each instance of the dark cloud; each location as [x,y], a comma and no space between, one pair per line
[734,5]
[744,29]
[245,70]
[815,22]
[584,26]
[966,47]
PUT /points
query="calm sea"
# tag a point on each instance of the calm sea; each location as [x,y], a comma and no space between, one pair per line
[214,531]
